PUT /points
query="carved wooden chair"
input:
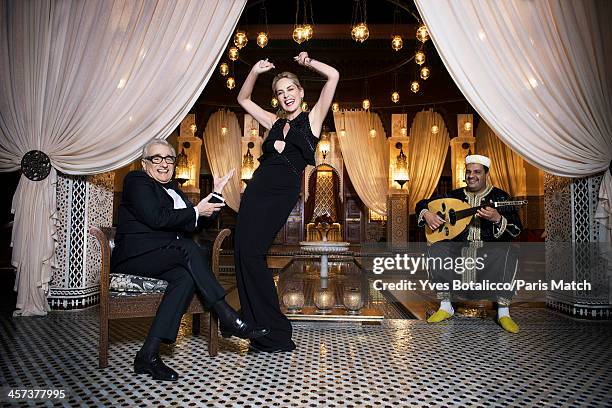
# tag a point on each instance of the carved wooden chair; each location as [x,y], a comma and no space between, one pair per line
[128,296]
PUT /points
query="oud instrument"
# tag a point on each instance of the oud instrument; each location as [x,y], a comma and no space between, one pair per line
[457,215]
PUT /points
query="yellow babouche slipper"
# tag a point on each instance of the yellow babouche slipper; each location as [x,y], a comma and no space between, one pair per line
[439,316]
[508,324]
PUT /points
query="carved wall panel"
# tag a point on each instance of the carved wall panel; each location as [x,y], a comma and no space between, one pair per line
[82,201]
[572,249]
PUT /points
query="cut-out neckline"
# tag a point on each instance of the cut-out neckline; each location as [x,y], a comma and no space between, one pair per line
[279,145]
[287,126]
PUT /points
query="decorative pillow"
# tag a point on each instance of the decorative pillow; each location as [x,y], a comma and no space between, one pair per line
[124,283]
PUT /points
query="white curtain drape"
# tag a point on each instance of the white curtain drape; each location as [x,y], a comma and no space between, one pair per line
[507,168]
[427,154]
[224,152]
[366,158]
[538,72]
[89,83]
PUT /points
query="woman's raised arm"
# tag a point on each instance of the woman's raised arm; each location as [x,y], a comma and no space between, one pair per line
[320,109]
[265,118]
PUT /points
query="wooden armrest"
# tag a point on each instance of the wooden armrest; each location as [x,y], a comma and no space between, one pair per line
[104,235]
[216,249]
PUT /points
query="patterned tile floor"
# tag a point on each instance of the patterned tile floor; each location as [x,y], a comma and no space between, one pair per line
[554,361]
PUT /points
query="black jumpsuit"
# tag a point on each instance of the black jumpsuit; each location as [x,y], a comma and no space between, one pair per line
[265,206]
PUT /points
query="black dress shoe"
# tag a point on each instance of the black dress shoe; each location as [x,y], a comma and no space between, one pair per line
[242,329]
[154,366]
[233,325]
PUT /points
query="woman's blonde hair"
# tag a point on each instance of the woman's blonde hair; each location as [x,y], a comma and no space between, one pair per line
[290,76]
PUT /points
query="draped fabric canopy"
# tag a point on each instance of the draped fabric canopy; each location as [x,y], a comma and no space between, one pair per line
[507,168]
[366,158]
[427,154]
[223,152]
[89,83]
[538,72]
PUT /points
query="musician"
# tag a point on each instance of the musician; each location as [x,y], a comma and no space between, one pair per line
[488,226]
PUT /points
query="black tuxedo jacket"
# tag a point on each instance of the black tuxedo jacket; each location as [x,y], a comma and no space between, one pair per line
[147,220]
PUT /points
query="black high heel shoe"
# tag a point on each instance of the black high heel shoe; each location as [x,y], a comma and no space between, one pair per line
[254,348]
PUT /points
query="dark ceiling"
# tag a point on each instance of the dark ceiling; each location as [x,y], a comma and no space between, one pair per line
[371,67]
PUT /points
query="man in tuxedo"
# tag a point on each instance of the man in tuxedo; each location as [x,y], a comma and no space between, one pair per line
[153,220]
[487,237]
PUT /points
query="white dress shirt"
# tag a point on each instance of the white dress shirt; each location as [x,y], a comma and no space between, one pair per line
[180,203]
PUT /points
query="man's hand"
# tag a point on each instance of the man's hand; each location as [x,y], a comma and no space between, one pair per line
[207,209]
[434,221]
[220,182]
[490,214]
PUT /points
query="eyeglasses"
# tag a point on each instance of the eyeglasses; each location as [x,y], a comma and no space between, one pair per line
[158,159]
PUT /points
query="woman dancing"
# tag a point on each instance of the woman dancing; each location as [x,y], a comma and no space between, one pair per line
[274,190]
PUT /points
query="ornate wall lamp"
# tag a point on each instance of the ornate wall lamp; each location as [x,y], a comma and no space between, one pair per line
[401,167]
[182,170]
[248,166]
[324,143]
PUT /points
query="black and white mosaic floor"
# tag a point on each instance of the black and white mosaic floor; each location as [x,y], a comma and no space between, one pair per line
[554,361]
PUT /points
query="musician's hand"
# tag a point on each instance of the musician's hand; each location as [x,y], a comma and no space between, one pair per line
[434,221]
[490,214]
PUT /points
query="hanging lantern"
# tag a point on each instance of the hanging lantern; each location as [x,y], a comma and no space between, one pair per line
[262,39]
[335,107]
[298,34]
[254,131]
[224,68]
[240,39]
[415,86]
[230,83]
[342,132]
[304,106]
[397,43]
[395,97]
[422,34]
[435,129]
[419,57]
[233,53]
[360,32]
[365,104]
[467,126]
[425,73]
[308,31]
[274,102]
[403,130]
[372,132]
